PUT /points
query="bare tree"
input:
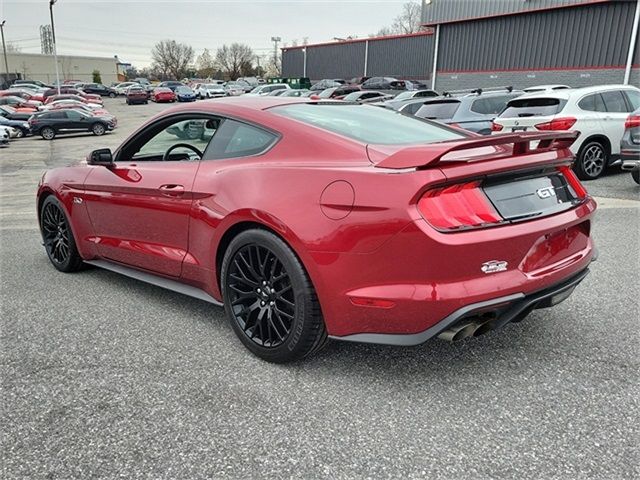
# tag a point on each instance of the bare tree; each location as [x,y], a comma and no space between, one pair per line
[235,59]
[206,65]
[409,21]
[172,58]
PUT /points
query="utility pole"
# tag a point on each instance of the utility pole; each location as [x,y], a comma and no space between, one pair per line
[4,49]
[55,45]
[275,41]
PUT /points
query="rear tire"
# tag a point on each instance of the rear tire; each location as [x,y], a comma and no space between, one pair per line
[20,133]
[48,133]
[635,174]
[269,299]
[112,95]
[592,160]
[57,237]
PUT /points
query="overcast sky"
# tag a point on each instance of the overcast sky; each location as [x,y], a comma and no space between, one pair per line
[129,29]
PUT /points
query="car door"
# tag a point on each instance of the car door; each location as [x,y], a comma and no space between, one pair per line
[139,207]
[76,121]
[236,146]
[58,120]
[613,120]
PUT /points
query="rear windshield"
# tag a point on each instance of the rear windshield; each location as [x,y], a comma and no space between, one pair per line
[368,124]
[533,107]
[438,110]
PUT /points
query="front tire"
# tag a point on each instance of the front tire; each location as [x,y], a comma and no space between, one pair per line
[98,129]
[58,238]
[592,160]
[269,299]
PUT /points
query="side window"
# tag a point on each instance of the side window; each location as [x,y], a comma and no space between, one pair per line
[614,101]
[634,99]
[194,132]
[235,139]
[481,106]
[412,108]
[592,103]
[57,115]
[490,106]
[73,115]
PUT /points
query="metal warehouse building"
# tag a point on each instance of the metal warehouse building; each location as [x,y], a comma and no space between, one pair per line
[480,43]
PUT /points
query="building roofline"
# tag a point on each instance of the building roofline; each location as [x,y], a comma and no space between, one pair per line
[521,12]
[62,55]
[359,40]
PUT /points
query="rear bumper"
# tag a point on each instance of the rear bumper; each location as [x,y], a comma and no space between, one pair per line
[506,309]
[420,281]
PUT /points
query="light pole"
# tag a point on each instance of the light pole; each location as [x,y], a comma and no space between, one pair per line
[55,46]
[275,41]
[4,49]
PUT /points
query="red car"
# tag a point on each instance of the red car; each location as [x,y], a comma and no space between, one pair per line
[136,94]
[33,99]
[162,94]
[69,96]
[74,104]
[66,90]
[19,102]
[311,219]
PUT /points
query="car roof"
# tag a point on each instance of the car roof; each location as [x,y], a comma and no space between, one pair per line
[567,93]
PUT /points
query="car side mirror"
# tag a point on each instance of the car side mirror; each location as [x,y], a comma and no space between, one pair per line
[102,156]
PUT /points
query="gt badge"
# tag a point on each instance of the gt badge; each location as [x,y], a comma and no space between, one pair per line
[494,266]
[546,192]
[77,199]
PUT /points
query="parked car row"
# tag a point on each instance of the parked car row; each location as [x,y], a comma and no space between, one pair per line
[38,109]
[598,113]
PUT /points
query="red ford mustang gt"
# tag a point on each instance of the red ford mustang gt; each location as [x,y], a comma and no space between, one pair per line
[314,219]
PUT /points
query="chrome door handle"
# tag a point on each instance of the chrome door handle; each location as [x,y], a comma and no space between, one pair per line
[171,190]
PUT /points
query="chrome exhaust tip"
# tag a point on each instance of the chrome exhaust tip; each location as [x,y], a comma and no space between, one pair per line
[458,332]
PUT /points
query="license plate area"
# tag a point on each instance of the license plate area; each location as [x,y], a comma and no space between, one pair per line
[524,198]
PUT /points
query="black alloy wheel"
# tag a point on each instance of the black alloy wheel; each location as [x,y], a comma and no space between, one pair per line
[269,299]
[57,237]
[261,295]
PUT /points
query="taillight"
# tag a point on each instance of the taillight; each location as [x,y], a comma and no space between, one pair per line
[496,127]
[563,123]
[573,182]
[632,122]
[457,207]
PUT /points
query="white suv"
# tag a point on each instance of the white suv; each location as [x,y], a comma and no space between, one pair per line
[267,88]
[598,113]
[210,90]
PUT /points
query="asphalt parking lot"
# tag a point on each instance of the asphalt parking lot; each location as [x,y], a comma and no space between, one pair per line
[106,377]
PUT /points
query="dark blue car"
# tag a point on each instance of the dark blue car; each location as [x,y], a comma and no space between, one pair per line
[21,126]
[185,94]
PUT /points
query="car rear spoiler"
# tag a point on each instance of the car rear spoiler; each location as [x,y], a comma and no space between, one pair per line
[431,154]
